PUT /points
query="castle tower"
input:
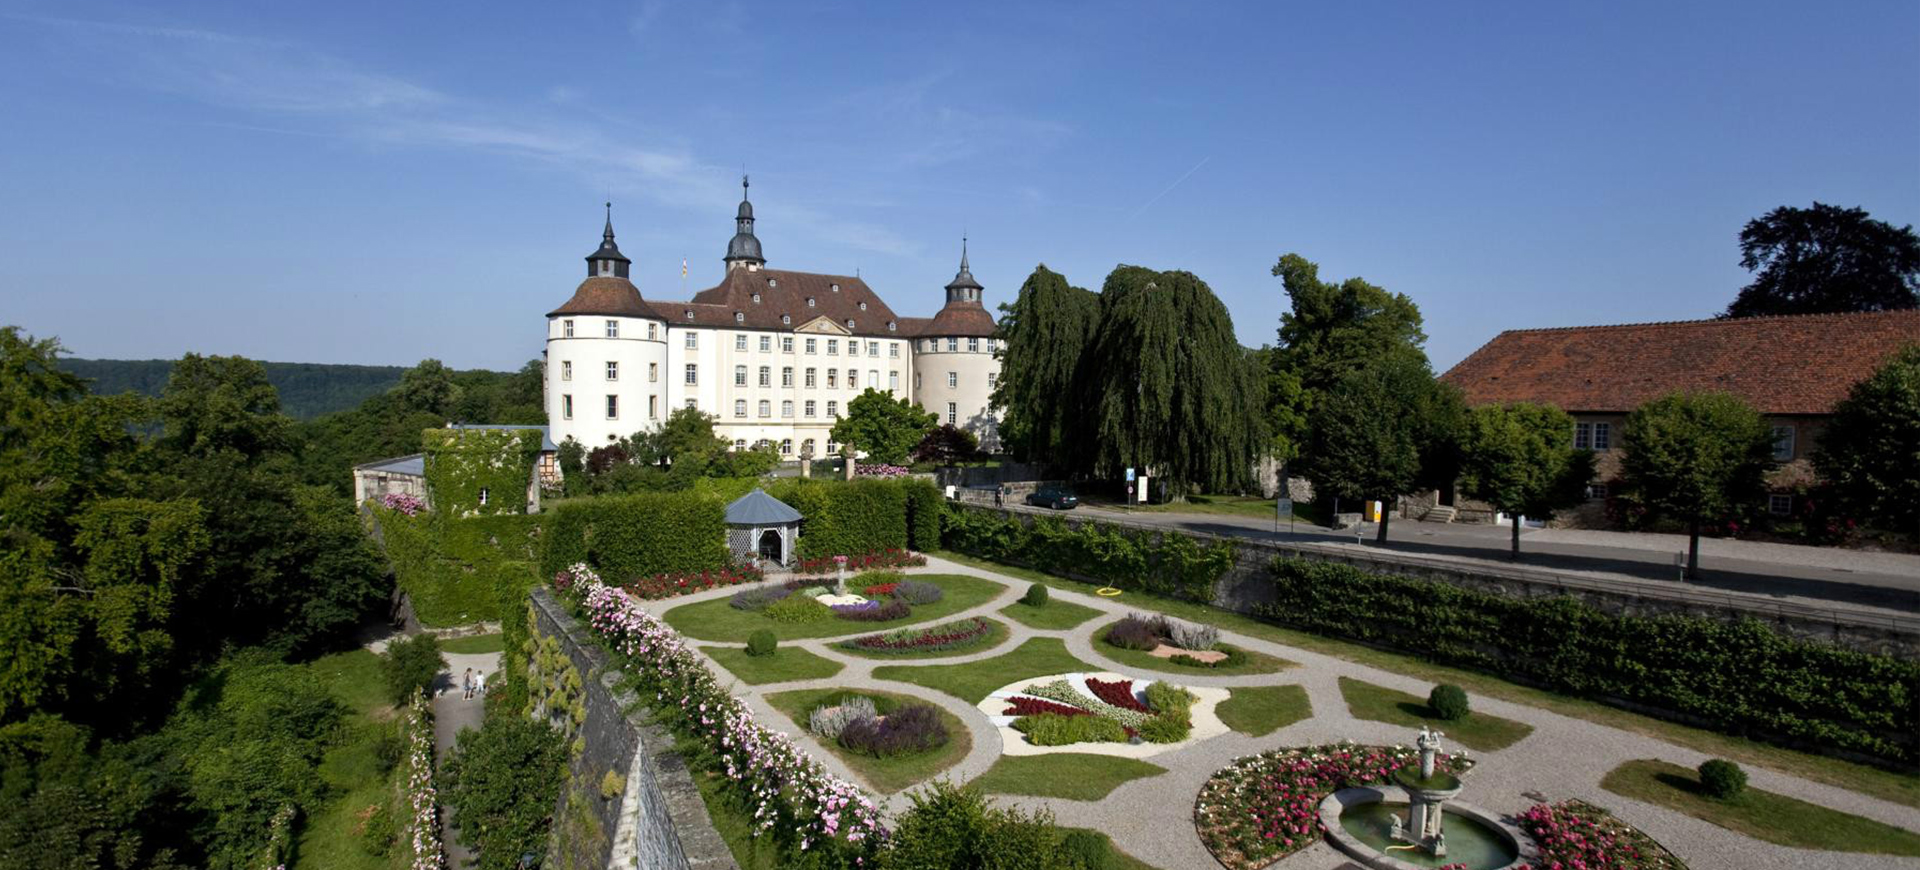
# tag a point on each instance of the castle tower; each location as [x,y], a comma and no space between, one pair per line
[955,366]
[606,355]
[743,252]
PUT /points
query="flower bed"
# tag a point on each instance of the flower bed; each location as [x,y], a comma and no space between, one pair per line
[1578,834]
[406,503]
[1118,693]
[423,804]
[938,638]
[687,582]
[880,469]
[878,590]
[788,792]
[888,558]
[1264,807]
[1038,709]
[873,611]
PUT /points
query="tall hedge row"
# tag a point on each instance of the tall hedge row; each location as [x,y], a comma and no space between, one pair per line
[1741,676]
[1169,564]
[924,506]
[631,536]
[855,516]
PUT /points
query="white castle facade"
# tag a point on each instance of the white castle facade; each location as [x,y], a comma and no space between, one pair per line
[774,356]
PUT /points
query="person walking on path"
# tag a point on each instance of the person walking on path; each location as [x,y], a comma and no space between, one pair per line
[479,682]
[466,685]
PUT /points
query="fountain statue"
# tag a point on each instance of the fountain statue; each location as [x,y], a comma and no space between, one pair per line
[1426,796]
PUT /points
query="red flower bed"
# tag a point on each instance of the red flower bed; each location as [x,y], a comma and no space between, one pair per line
[1035,706]
[888,558]
[1578,834]
[881,589]
[1119,694]
[687,582]
[952,635]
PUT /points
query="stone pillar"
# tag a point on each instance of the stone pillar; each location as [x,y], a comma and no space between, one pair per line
[806,467]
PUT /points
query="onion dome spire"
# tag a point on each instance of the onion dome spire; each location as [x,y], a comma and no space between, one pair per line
[607,261]
[744,249]
[963,288]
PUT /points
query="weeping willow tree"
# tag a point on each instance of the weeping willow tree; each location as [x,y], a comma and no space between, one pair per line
[1172,391]
[1046,331]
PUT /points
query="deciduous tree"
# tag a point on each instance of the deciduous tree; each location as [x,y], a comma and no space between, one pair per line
[947,444]
[1695,457]
[1520,458]
[1826,258]
[1871,449]
[1046,332]
[884,427]
[1367,434]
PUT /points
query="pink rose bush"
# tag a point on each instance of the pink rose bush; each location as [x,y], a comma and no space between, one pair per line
[788,792]
[1263,807]
[1575,835]
[423,803]
[677,583]
[880,469]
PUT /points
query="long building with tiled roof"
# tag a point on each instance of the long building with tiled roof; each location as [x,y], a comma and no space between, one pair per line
[1792,369]
[773,355]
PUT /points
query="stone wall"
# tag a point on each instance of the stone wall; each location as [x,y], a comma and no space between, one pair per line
[1248,585]
[658,819]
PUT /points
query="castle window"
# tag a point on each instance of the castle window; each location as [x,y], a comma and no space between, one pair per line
[766,376]
[693,341]
[893,349]
[756,298]
[740,443]
[853,379]
[766,408]
[806,448]
[653,373]
[613,407]
[973,345]
[834,287]
[740,341]
[613,371]
[786,376]
[916,380]
[810,378]
[689,314]
[693,374]
[833,346]
[1783,443]
[566,370]
[772,283]
[786,319]
[873,378]
[653,331]
[891,326]
[953,344]
[953,413]
[810,407]
[833,408]
[893,381]
[832,448]
[786,344]
[810,302]
[766,343]
[786,408]
[739,376]
[786,447]
[566,328]
[953,380]
[566,406]
[613,329]
[739,317]
[993,380]
[739,407]
[833,379]
[693,405]
[653,409]
[849,323]
[812,343]
[863,305]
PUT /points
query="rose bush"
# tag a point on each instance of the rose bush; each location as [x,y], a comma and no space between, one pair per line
[674,583]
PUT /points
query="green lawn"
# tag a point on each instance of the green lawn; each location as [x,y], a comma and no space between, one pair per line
[1477,731]
[717,620]
[1054,615]
[972,681]
[1078,776]
[351,767]
[1262,710]
[788,663]
[1762,815]
[474,643]
[995,636]
[1121,860]
[1900,788]
[1256,663]
[883,774]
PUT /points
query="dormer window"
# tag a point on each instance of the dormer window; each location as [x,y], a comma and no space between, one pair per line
[606,267]
[809,301]
[772,283]
[891,326]
[849,323]
[786,319]
[863,306]
[756,298]
[834,287]
[689,314]
[739,317]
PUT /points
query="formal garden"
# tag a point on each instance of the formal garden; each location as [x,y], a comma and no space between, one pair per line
[1069,687]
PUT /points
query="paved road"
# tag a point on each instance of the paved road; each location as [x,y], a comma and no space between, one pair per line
[1887,583]
[452,714]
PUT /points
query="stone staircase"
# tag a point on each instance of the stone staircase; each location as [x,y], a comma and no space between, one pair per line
[1439,514]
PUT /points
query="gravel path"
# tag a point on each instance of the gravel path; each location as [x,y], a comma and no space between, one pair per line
[452,714]
[1151,818]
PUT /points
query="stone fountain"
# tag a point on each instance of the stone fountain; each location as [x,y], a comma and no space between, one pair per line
[1427,795]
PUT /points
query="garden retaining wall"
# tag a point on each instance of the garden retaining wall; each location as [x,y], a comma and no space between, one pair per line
[1248,585]
[659,821]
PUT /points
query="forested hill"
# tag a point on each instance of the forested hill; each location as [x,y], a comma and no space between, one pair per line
[307,390]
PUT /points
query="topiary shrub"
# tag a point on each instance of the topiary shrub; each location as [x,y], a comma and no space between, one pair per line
[1036,595]
[762,642]
[1722,779]
[1448,701]
[1087,850]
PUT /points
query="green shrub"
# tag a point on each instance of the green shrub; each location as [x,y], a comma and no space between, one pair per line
[923,514]
[501,781]
[1087,850]
[1036,595]
[762,642]
[1722,779]
[639,535]
[1169,564]
[410,666]
[798,608]
[1054,729]
[376,830]
[612,785]
[1166,729]
[1167,699]
[1740,676]
[389,748]
[952,827]
[1448,701]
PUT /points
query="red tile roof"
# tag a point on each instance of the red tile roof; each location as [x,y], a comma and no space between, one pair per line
[785,293]
[1779,365]
[615,297]
[960,318]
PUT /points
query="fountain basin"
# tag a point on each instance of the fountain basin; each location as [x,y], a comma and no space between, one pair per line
[1356,821]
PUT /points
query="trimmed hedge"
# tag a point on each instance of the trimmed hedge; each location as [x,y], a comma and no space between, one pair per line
[452,569]
[1170,563]
[1739,676]
[639,535]
[845,518]
[923,513]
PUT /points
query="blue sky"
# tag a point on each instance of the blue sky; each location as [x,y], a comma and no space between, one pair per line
[382,182]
